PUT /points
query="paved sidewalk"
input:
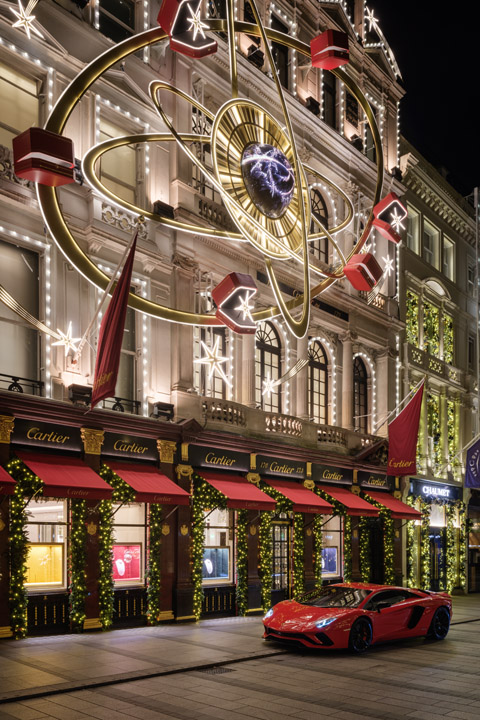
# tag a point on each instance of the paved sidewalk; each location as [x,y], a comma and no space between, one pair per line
[39,666]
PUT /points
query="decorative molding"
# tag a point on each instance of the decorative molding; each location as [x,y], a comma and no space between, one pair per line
[165,529]
[184,471]
[253,478]
[119,219]
[6,169]
[309,484]
[92,440]
[184,262]
[6,428]
[166,450]
[184,530]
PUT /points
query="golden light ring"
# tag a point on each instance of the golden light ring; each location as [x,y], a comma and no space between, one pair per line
[48,198]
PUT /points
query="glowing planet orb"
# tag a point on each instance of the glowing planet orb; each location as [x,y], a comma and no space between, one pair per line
[268,178]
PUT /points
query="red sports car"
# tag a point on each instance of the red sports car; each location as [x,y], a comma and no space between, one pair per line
[355,615]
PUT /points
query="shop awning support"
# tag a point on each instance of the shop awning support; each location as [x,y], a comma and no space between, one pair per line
[212,510]
[115,511]
[162,519]
[324,523]
[31,498]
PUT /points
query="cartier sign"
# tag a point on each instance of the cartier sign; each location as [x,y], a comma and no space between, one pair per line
[129,446]
[218,459]
[374,481]
[328,473]
[280,467]
[46,435]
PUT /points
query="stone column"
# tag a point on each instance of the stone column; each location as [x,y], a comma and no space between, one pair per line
[302,410]
[92,444]
[182,337]
[6,429]
[248,370]
[347,382]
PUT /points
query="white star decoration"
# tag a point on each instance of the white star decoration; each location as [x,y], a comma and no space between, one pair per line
[214,360]
[25,19]
[388,266]
[67,340]
[195,23]
[396,220]
[371,19]
[245,306]
[268,385]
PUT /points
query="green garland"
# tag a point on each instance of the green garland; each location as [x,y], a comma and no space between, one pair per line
[448,342]
[317,549]
[266,559]
[451,549]
[464,529]
[242,562]
[347,548]
[27,484]
[433,425]
[205,497]
[431,329]
[78,564]
[298,555]
[425,545]
[411,548]
[365,556]
[388,527]
[412,331]
[153,569]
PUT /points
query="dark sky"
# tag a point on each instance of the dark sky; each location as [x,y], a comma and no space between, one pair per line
[438,52]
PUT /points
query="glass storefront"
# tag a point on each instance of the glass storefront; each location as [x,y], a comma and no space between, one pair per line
[217,565]
[47,545]
[129,542]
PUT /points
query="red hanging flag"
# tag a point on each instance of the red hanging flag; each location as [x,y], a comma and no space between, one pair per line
[111,335]
[403,436]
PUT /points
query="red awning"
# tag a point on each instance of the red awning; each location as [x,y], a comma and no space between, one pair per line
[304,500]
[66,477]
[150,485]
[354,504]
[240,494]
[7,483]
[399,509]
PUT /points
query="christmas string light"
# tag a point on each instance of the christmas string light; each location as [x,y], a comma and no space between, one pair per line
[154,560]
[266,559]
[364,544]
[298,555]
[317,549]
[385,516]
[105,561]
[78,564]
[242,562]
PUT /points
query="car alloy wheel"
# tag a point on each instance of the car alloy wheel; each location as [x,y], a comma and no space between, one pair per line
[360,636]
[440,624]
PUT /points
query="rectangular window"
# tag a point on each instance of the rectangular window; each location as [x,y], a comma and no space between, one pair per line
[116,18]
[471,278]
[413,230]
[331,548]
[129,535]
[431,244]
[126,382]
[448,259]
[118,169]
[217,565]
[431,329]
[280,54]
[281,539]
[19,98]
[412,319]
[47,545]
[330,99]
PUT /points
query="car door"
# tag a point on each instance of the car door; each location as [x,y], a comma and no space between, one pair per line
[392,621]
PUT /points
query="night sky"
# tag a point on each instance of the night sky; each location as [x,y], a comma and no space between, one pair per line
[437,51]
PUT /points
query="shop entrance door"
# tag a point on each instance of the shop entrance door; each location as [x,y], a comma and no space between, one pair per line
[437,559]
[377,573]
[281,539]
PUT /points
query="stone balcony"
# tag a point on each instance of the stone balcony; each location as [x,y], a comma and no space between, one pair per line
[434,365]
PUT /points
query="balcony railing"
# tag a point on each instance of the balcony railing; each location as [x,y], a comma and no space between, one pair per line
[14,383]
[224,411]
[432,364]
[119,404]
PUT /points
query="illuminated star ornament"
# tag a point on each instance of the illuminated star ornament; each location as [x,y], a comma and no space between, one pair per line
[214,360]
[195,23]
[371,19]
[25,19]
[245,308]
[67,340]
[268,385]
[388,269]
[396,220]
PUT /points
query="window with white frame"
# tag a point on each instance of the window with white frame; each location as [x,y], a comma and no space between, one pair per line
[267,367]
[281,53]
[116,18]
[317,383]
[471,277]
[319,247]
[126,381]
[217,566]
[431,244]
[448,258]
[471,353]
[118,167]
[413,230]
[19,99]
[129,541]
[47,544]
[207,383]
[360,395]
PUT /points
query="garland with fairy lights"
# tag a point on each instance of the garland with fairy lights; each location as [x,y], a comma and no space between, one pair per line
[242,562]
[388,528]
[365,554]
[26,486]
[451,550]
[317,549]
[464,530]
[77,564]
[339,509]
[153,569]
[412,329]
[205,497]
[266,559]
[411,547]
[425,544]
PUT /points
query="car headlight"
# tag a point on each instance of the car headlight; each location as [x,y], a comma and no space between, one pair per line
[326,621]
[268,614]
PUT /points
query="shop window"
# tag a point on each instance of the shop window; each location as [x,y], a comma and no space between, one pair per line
[267,366]
[317,383]
[205,384]
[280,54]
[281,555]
[118,167]
[332,547]
[471,278]
[126,381]
[360,396]
[217,565]
[431,244]
[202,125]
[330,99]
[129,541]
[318,248]
[431,329]
[47,545]
[19,98]
[437,515]
[116,18]
[448,339]
[412,318]
[448,259]
[19,271]
[413,230]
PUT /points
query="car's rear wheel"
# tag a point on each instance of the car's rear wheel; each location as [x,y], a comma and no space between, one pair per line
[440,624]
[360,636]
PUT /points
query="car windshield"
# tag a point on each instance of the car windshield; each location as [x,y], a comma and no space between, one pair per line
[332,596]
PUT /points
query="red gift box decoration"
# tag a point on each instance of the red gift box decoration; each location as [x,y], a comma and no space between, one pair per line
[363,271]
[43,157]
[389,216]
[232,297]
[181,20]
[330,49]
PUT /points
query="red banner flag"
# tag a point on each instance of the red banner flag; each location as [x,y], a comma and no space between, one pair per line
[403,436]
[111,335]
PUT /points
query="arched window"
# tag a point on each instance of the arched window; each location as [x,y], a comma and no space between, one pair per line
[267,366]
[318,248]
[360,395]
[317,383]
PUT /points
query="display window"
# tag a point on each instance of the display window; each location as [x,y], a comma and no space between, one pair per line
[437,515]
[129,540]
[47,544]
[281,554]
[217,566]
[332,547]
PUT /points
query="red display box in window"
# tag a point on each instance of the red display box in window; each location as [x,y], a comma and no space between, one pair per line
[330,50]
[43,157]
[390,215]
[181,20]
[363,271]
[233,298]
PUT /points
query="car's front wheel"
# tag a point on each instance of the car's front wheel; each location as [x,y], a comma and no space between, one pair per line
[360,636]
[440,624]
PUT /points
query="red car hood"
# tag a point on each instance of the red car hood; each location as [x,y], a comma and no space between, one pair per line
[290,616]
